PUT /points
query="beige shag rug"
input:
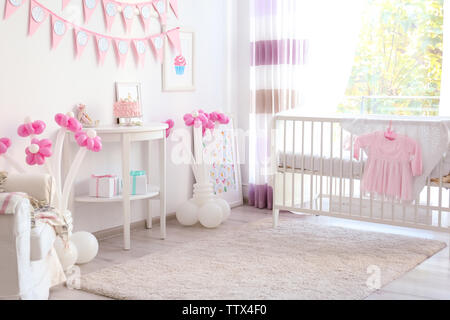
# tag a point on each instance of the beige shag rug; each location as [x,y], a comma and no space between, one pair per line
[299,260]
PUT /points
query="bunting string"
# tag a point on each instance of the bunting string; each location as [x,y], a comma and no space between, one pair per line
[39,13]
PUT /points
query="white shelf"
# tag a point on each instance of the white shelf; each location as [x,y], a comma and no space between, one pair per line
[88,199]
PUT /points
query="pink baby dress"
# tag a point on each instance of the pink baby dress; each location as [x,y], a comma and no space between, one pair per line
[390,166]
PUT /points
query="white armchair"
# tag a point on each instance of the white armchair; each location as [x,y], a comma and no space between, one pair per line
[29,265]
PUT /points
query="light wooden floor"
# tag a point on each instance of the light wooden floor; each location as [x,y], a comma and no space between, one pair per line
[429,280]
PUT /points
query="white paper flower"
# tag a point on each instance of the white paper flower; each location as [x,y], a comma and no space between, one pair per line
[38,14]
[16,3]
[158,43]
[111,9]
[160,6]
[128,12]
[123,47]
[90,4]
[103,44]
[145,12]
[140,46]
[59,28]
[82,38]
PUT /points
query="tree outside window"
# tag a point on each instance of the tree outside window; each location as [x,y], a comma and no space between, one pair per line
[398,60]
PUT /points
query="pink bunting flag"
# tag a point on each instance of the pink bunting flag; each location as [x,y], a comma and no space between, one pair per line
[11,6]
[110,11]
[128,16]
[140,48]
[37,16]
[174,6]
[89,8]
[81,40]
[160,7]
[157,42]
[102,45]
[65,3]
[122,48]
[145,13]
[174,38]
[59,28]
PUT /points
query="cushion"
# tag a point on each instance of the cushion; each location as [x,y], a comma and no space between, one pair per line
[42,238]
[38,186]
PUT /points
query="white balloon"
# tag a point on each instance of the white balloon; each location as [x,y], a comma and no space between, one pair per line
[187,213]
[87,246]
[226,210]
[210,215]
[67,255]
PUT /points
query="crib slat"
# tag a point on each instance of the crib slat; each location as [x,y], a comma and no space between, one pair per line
[321,165]
[303,164]
[293,163]
[331,166]
[428,197]
[284,162]
[351,175]
[361,163]
[311,180]
[440,194]
[340,171]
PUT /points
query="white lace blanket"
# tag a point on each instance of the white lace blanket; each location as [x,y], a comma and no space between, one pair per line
[431,133]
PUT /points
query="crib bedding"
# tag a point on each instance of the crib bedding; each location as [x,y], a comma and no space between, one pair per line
[329,167]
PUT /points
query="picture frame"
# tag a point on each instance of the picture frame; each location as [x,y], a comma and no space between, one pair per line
[221,156]
[129,90]
[173,80]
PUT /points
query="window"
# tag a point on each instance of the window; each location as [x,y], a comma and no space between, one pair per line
[398,60]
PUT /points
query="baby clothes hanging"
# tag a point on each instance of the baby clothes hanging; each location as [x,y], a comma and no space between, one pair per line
[391,164]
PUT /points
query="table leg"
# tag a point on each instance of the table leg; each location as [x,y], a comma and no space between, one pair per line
[126,190]
[149,201]
[162,186]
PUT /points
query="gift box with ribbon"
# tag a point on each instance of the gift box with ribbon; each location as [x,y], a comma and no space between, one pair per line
[138,181]
[104,186]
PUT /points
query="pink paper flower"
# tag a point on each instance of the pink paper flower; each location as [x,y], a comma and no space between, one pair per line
[171,123]
[5,143]
[31,128]
[68,121]
[38,151]
[89,139]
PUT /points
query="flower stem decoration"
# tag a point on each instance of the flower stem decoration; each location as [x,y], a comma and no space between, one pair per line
[40,149]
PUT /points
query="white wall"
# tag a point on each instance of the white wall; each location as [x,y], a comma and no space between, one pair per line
[39,82]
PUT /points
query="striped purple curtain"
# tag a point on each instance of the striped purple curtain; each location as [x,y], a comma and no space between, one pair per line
[278,58]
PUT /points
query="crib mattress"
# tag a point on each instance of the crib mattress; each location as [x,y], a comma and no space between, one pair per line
[330,167]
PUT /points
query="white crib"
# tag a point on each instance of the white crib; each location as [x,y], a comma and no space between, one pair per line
[315,173]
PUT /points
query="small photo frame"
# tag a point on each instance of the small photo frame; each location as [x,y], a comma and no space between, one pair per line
[128,95]
[179,72]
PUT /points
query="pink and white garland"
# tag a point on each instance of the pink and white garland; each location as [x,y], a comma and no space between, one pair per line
[59,26]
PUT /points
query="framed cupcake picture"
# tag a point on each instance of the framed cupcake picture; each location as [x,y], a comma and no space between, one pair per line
[178,69]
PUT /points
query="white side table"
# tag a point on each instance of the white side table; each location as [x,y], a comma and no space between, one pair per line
[127,135]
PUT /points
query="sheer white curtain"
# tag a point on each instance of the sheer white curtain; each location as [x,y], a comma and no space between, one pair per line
[332,28]
[302,52]
[444,103]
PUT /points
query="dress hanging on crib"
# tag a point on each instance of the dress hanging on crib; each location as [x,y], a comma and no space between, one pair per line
[391,164]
